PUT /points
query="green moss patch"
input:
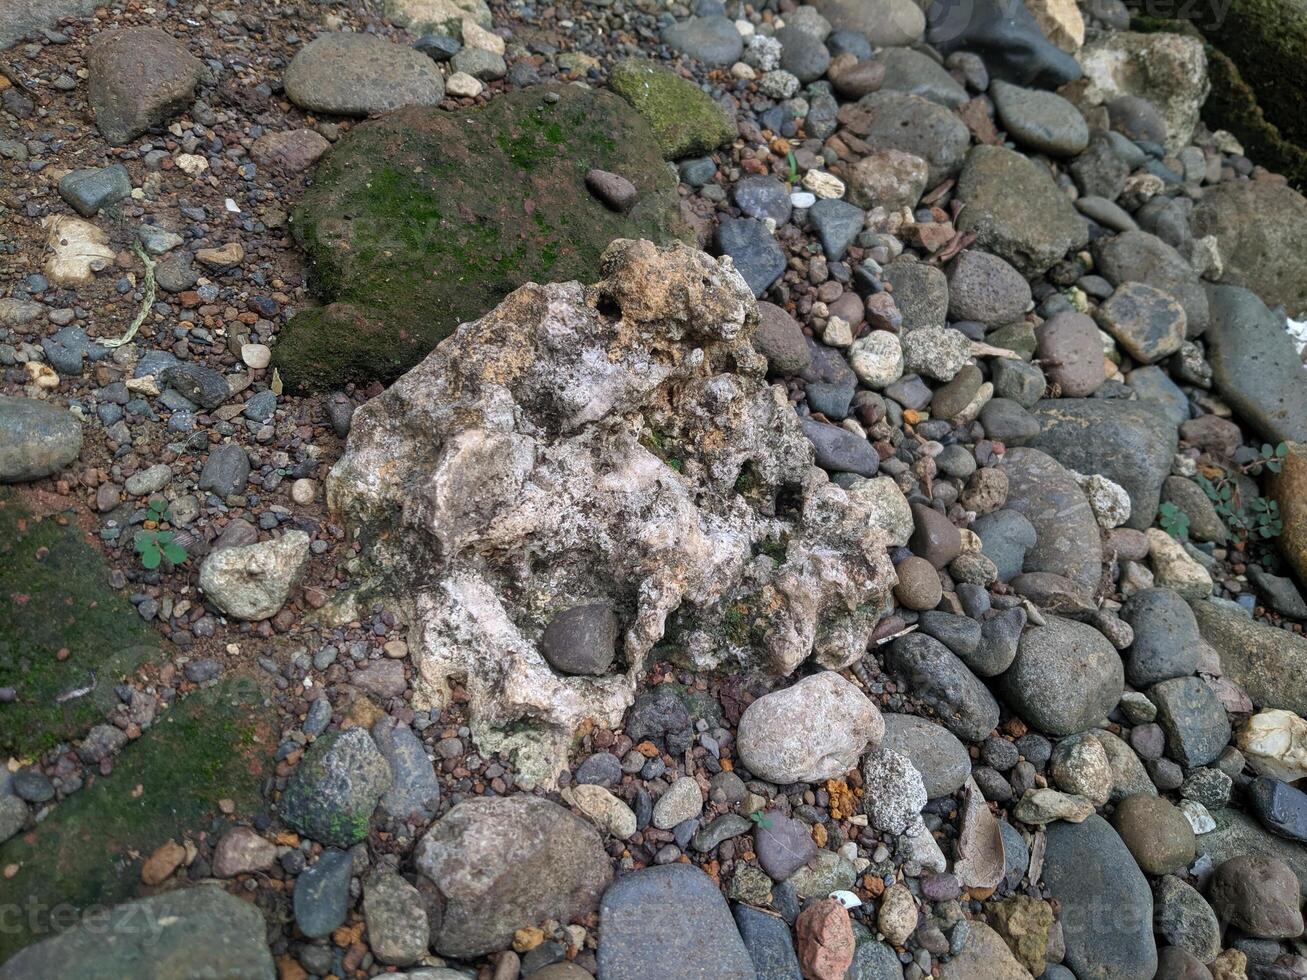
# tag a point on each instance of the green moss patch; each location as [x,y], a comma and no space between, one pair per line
[55,597]
[424,219]
[212,745]
[684,117]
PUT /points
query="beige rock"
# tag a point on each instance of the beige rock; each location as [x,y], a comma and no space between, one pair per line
[984,957]
[1174,569]
[1275,744]
[191,164]
[437,16]
[823,184]
[242,851]
[605,810]
[897,917]
[233,253]
[1061,22]
[76,249]
[253,582]
[257,356]
[1041,806]
[980,862]
[463,85]
[160,865]
[476,36]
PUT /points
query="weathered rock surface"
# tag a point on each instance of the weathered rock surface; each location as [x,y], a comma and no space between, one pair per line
[116,943]
[331,796]
[505,863]
[253,582]
[138,77]
[1068,544]
[1266,662]
[670,922]
[1289,489]
[1066,677]
[1016,210]
[1169,70]
[1126,441]
[422,190]
[811,731]
[36,439]
[1261,227]
[546,431]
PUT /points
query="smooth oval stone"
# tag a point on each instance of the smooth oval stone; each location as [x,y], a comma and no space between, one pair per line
[1107,906]
[1066,677]
[1040,121]
[933,750]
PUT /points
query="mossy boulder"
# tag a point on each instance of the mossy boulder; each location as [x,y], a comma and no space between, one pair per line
[62,628]
[214,745]
[1248,53]
[425,219]
[684,117]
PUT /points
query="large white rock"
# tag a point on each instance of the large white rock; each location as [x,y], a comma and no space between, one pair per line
[437,16]
[1275,744]
[253,581]
[615,443]
[813,730]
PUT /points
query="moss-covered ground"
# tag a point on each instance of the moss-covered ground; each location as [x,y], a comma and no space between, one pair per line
[62,628]
[213,745]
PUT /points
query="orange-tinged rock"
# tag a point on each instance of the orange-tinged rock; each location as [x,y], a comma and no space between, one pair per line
[825,940]
[160,865]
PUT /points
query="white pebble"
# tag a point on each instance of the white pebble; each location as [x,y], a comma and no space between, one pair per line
[257,356]
[463,85]
[823,184]
[303,491]
[803,199]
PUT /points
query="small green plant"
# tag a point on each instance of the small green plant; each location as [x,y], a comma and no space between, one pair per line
[794,167]
[760,819]
[1264,516]
[1174,521]
[154,545]
[1270,457]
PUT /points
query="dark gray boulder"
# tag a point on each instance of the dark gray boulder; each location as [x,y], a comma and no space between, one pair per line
[1107,907]
[1129,442]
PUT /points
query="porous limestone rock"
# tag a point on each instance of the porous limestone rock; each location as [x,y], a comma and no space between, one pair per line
[253,581]
[614,443]
[1169,70]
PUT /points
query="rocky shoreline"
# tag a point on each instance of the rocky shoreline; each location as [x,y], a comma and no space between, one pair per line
[850,525]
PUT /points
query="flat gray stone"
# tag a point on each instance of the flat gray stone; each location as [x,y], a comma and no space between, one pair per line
[672,922]
[1041,489]
[192,932]
[1128,442]
[359,74]
[1266,662]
